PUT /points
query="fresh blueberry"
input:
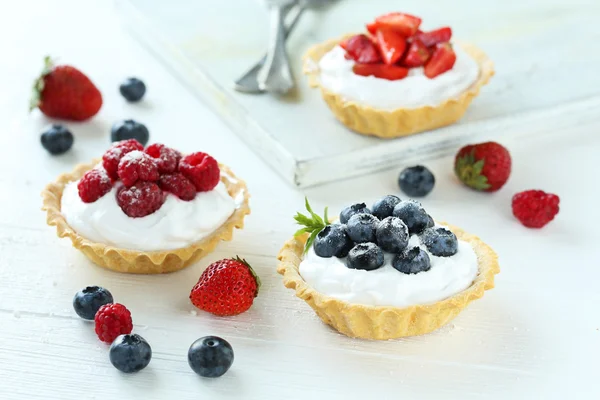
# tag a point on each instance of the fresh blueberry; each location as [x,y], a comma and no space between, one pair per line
[129,129]
[348,212]
[367,256]
[130,353]
[440,242]
[57,139]
[210,356]
[416,181]
[384,207]
[414,216]
[392,235]
[89,300]
[361,228]
[412,261]
[132,89]
[333,240]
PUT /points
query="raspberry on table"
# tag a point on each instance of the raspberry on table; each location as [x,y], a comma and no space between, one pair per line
[137,165]
[178,185]
[535,208]
[112,157]
[166,158]
[94,184]
[141,199]
[111,321]
[202,170]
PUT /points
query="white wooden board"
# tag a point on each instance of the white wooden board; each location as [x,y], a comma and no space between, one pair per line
[542,51]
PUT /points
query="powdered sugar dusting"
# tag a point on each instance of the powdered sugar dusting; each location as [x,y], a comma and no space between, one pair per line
[135,155]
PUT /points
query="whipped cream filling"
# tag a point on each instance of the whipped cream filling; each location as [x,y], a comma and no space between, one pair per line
[175,225]
[387,286]
[416,90]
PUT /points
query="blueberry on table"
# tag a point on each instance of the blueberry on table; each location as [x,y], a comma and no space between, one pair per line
[210,356]
[333,240]
[57,139]
[133,89]
[392,235]
[416,181]
[367,256]
[361,228]
[412,261]
[384,207]
[130,353]
[414,216]
[440,242]
[348,212]
[129,129]
[89,300]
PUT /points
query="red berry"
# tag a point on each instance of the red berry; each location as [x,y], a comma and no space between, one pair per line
[535,208]
[112,320]
[391,45]
[179,185]
[202,170]
[112,157]
[94,184]
[167,158]
[432,38]
[405,24]
[442,60]
[484,166]
[226,287]
[382,71]
[362,49]
[141,199]
[137,166]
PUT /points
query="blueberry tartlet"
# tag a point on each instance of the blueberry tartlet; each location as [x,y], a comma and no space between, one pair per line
[385,271]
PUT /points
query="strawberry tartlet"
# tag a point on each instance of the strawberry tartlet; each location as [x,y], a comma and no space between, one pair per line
[147,210]
[395,79]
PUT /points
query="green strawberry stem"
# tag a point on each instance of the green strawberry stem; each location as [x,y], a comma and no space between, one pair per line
[469,171]
[312,224]
[38,84]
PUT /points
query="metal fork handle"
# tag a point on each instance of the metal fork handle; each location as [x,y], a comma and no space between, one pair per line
[248,82]
[275,76]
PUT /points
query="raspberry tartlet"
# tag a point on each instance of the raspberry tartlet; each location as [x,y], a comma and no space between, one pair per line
[147,210]
[396,80]
[387,271]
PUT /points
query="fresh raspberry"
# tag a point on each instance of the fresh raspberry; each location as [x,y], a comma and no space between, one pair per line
[112,320]
[110,159]
[535,208]
[94,184]
[167,158]
[141,199]
[179,185]
[202,170]
[137,166]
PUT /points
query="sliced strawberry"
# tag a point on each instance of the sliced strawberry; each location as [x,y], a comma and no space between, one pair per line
[434,37]
[442,60]
[404,24]
[417,55]
[383,71]
[362,49]
[391,45]
[372,28]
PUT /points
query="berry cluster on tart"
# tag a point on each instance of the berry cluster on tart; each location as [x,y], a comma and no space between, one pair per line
[147,210]
[396,79]
[387,271]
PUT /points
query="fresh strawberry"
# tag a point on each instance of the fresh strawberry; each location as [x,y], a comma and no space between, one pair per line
[362,49]
[372,28]
[65,92]
[391,45]
[383,71]
[226,287]
[442,60]
[434,37]
[417,55]
[484,166]
[405,24]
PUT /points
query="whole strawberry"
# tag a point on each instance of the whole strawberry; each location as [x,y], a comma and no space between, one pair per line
[226,287]
[484,166]
[64,92]
[535,208]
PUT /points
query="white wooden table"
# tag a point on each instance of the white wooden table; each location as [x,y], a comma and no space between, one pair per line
[537,335]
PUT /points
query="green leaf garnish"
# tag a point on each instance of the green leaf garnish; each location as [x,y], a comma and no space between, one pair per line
[312,224]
